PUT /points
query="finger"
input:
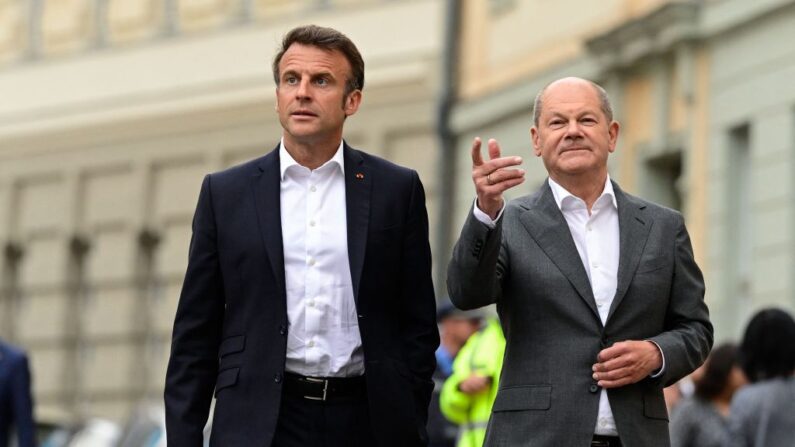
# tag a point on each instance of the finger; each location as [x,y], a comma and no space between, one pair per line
[623,361]
[494,149]
[500,163]
[477,159]
[615,374]
[613,351]
[624,381]
[501,175]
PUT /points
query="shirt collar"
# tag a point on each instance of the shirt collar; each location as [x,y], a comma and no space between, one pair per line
[286,161]
[564,198]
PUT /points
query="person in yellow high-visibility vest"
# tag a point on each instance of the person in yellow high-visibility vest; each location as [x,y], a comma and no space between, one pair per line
[468,394]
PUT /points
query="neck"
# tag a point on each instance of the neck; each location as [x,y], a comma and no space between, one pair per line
[586,187]
[311,155]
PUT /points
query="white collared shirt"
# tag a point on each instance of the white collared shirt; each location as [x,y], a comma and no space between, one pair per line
[323,339]
[596,236]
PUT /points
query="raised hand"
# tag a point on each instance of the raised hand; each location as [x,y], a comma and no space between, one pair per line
[493,177]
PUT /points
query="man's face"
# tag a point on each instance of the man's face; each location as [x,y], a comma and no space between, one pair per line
[573,136]
[310,97]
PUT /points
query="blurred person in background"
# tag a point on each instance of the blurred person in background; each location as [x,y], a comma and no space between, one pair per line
[16,403]
[307,307]
[682,389]
[455,327]
[762,414]
[468,394]
[701,420]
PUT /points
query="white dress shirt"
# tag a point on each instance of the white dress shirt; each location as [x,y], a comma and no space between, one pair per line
[597,239]
[323,339]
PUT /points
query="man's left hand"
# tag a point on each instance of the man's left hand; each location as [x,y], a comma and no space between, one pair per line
[626,362]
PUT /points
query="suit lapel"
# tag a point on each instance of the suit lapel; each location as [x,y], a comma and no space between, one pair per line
[634,229]
[547,226]
[358,184]
[266,187]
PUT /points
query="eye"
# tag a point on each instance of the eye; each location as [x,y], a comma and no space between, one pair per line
[556,123]
[322,82]
[290,80]
[588,121]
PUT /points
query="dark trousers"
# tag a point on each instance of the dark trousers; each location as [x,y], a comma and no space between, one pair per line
[333,423]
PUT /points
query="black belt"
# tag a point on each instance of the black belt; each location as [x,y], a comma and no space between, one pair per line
[605,441]
[324,388]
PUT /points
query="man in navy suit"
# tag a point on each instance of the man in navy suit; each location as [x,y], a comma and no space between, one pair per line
[16,404]
[307,305]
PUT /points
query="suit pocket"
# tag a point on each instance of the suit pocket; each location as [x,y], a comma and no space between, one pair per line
[226,378]
[529,397]
[231,345]
[651,265]
[654,405]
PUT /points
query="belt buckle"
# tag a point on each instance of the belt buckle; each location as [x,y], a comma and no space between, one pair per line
[325,388]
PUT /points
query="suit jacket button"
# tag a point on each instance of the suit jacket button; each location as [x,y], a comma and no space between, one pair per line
[283,330]
[277,378]
[593,389]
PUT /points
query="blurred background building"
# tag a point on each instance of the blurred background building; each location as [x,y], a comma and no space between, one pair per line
[112,111]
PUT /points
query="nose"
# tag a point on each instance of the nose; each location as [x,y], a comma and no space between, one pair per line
[302,92]
[573,129]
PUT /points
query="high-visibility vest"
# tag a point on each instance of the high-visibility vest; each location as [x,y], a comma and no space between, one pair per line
[482,354]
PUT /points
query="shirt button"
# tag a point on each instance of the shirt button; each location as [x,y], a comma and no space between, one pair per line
[311,303]
[602,422]
[588,228]
[311,223]
[593,388]
[277,378]
[312,188]
[311,343]
[595,265]
[311,261]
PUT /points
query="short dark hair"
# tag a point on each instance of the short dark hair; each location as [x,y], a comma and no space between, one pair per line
[327,39]
[604,102]
[767,350]
[717,371]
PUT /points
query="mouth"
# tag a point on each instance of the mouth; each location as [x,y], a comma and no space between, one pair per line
[573,149]
[302,113]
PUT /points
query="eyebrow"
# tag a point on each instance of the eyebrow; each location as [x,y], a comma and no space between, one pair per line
[323,73]
[582,114]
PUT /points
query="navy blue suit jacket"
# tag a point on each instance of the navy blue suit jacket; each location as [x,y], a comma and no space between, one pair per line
[16,404]
[230,330]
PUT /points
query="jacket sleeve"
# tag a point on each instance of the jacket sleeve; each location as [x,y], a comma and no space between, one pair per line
[475,272]
[23,403]
[689,335]
[419,331]
[193,364]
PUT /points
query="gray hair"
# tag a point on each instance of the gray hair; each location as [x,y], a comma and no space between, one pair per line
[604,101]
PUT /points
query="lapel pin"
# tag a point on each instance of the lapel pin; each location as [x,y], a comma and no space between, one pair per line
[360,176]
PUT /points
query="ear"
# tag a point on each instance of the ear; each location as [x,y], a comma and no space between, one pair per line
[536,141]
[612,133]
[352,102]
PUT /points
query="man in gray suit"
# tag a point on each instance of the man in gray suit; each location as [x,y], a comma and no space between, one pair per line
[600,298]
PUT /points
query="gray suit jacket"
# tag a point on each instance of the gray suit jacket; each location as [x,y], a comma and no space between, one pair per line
[762,414]
[530,267]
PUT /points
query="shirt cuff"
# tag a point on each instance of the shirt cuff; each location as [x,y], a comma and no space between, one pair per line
[659,372]
[485,219]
